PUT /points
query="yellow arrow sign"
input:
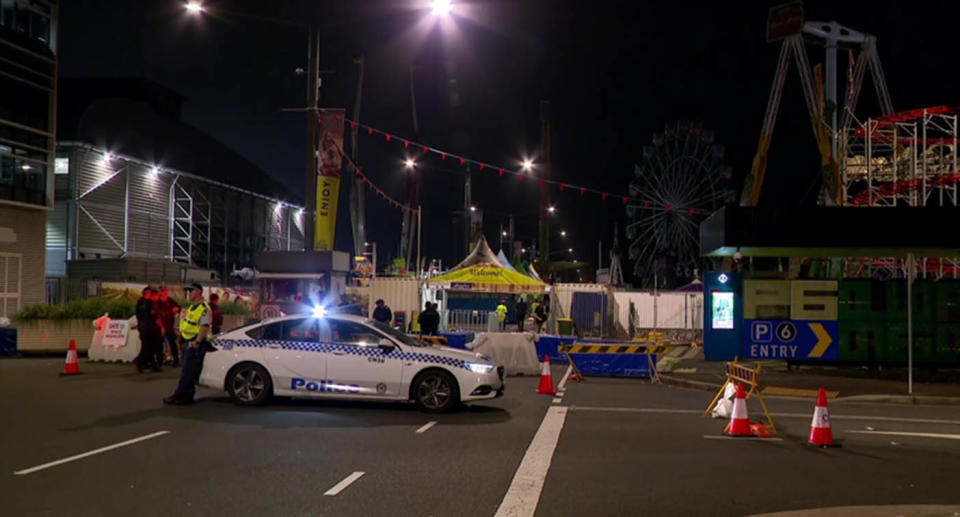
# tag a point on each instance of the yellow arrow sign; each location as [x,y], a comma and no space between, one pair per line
[823,340]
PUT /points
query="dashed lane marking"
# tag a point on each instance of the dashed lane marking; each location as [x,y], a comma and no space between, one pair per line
[905,433]
[426,427]
[336,489]
[566,377]
[89,453]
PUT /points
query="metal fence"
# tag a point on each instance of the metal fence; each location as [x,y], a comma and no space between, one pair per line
[465,319]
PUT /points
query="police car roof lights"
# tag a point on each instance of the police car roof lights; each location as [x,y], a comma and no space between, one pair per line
[319,311]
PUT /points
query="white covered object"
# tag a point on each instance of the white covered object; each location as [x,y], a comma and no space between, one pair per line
[516,351]
[725,405]
[113,350]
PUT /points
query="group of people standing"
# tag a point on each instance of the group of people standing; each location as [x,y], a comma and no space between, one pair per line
[539,311]
[160,338]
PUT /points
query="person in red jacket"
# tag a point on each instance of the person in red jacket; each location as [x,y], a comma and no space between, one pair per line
[216,317]
[168,314]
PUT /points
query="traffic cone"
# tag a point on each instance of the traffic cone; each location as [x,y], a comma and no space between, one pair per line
[546,380]
[72,366]
[820,433]
[739,421]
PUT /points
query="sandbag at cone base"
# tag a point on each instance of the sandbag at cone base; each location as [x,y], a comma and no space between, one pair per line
[72,365]
[546,379]
[739,421]
[820,432]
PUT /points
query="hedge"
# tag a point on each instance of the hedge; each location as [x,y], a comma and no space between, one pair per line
[90,308]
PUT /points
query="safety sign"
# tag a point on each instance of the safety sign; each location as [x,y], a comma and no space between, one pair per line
[799,340]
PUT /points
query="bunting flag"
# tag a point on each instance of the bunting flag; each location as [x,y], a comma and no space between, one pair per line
[629,201]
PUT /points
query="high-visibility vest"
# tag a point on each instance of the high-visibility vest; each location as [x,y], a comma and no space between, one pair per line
[190,322]
[502,311]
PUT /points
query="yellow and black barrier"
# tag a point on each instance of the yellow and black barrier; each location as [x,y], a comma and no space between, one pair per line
[603,367]
[750,377]
[430,340]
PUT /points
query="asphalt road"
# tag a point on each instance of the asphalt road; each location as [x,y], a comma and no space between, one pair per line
[623,447]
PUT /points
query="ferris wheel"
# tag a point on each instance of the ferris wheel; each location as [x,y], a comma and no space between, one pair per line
[679,181]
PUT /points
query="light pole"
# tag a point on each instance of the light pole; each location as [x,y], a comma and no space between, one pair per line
[357,193]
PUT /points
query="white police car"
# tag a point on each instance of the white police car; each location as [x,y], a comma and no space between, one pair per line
[345,356]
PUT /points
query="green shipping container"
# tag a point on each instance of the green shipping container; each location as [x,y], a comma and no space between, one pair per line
[947,299]
[862,300]
[947,345]
[896,346]
[923,301]
[861,341]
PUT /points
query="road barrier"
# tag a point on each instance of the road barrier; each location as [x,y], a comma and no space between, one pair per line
[749,375]
[617,359]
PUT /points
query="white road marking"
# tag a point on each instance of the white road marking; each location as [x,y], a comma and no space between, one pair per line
[336,489]
[566,377]
[904,433]
[741,438]
[783,415]
[557,400]
[524,493]
[89,453]
[425,427]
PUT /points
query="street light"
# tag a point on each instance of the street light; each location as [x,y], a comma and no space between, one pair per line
[194,7]
[552,209]
[440,7]
[563,233]
[408,163]
[527,164]
[473,208]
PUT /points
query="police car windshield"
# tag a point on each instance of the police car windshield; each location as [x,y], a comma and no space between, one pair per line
[395,334]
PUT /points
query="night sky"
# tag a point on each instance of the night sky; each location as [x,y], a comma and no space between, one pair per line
[615,73]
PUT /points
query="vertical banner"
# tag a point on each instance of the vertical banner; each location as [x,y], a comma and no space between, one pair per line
[328,183]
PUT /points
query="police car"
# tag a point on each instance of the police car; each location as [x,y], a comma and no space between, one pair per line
[346,357]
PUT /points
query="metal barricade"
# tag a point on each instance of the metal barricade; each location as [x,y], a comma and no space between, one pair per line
[466,319]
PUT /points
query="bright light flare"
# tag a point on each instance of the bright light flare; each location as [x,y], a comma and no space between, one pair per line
[528,165]
[319,311]
[552,209]
[569,250]
[440,7]
[193,7]
[155,170]
[408,163]
[563,233]
[473,209]
[107,158]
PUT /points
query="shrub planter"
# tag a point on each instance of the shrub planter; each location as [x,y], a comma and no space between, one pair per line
[50,336]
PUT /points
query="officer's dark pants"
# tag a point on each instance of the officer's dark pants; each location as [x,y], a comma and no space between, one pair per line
[520,317]
[190,372]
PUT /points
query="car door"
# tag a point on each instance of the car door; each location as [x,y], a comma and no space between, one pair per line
[293,352]
[357,365]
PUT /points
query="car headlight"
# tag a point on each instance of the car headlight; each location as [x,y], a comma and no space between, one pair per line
[480,367]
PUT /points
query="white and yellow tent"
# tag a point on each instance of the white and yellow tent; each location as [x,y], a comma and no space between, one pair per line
[482,272]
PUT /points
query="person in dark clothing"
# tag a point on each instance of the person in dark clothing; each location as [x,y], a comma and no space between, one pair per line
[382,313]
[521,309]
[156,314]
[540,316]
[216,317]
[429,320]
[168,314]
[151,333]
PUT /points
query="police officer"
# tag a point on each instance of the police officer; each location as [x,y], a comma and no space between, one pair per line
[194,329]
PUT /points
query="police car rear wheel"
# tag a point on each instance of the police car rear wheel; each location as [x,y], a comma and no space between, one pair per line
[249,384]
[436,392]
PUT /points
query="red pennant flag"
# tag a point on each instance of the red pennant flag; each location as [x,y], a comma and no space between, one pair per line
[561,187]
[463,161]
[521,176]
[443,156]
[624,199]
[669,208]
[482,166]
[501,172]
[646,203]
[406,143]
[425,150]
[369,130]
[691,210]
[336,118]
[353,125]
[541,182]
[388,137]
[583,191]
[603,196]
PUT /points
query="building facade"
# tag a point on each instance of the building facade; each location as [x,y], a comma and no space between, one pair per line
[28,97]
[143,197]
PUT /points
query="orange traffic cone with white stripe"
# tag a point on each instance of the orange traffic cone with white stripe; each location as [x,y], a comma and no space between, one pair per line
[72,365]
[820,433]
[546,379]
[739,421]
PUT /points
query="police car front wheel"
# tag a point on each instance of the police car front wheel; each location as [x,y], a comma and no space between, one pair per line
[249,384]
[436,391]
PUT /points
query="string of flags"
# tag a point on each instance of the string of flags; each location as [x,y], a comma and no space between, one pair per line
[501,171]
[366,181]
